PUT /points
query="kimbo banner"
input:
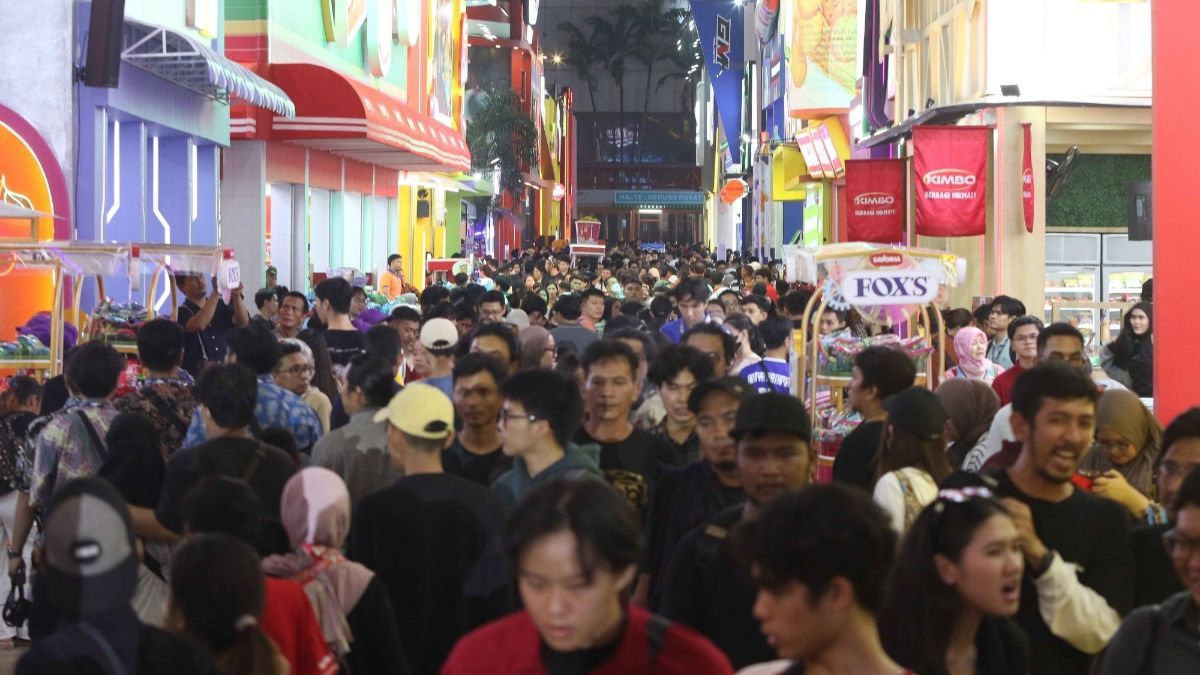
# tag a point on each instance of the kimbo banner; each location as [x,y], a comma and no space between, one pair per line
[875,200]
[950,167]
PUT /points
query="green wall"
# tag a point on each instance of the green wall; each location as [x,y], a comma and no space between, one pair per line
[1095,197]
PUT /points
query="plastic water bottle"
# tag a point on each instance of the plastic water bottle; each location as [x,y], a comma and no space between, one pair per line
[229,275]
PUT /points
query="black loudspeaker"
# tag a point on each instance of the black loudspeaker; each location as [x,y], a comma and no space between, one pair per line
[1138,211]
[103,65]
[423,207]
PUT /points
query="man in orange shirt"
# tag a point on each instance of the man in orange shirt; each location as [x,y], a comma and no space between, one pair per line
[392,283]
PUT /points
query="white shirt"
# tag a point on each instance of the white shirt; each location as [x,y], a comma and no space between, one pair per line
[890,495]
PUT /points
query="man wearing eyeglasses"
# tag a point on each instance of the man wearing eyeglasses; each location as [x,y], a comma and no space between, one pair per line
[1165,638]
[540,413]
[1077,562]
[1023,335]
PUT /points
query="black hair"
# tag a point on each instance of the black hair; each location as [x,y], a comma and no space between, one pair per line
[1050,379]
[909,450]
[95,369]
[981,314]
[134,464]
[675,359]
[338,292]
[286,349]
[919,609]
[283,439]
[460,279]
[605,529]
[358,290]
[384,342]
[230,392]
[649,345]
[493,296]
[160,344]
[1122,348]
[532,302]
[281,292]
[374,377]
[1189,492]
[1185,425]
[475,363]
[215,581]
[590,292]
[1060,329]
[1148,290]
[605,350]
[504,333]
[295,294]
[759,301]
[225,505]
[759,289]
[727,342]
[1027,320]
[1008,305]
[255,347]
[660,307]
[568,307]
[20,389]
[262,296]
[631,307]
[795,302]
[391,258]
[775,331]
[433,295]
[888,370]
[549,396]
[956,318]
[814,535]
[404,313]
[691,289]
[442,310]
[742,322]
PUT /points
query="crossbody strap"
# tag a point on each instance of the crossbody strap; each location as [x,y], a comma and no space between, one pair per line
[656,635]
[93,435]
[259,454]
[166,410]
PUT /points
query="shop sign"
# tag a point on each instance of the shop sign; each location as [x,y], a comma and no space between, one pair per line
[889,287]
[950,163]
[1027,178]
[659,198]
[874,195]
[720,25]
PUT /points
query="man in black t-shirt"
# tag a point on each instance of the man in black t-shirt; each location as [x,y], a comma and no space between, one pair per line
[705,587]
[432,538]
[333,309]
[477,453]
[1078,567]
[207,321]
[879,372]
[227,395]
[629,457]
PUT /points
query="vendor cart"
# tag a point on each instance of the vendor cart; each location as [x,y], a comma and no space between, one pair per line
[40,361]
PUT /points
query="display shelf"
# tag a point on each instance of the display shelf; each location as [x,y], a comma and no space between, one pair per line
[1070,289]
[26,364]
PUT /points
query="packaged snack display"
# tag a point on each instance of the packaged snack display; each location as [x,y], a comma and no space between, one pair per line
[24,348]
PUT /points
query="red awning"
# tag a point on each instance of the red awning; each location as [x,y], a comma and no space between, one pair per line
[340,115]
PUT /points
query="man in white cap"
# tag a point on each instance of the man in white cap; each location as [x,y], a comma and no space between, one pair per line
[433,538]
[435,356]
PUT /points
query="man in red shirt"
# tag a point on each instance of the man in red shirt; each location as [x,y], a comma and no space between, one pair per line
[1023,333]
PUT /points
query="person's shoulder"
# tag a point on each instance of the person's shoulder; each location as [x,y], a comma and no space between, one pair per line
[165,653]
[515,632]
[682,650]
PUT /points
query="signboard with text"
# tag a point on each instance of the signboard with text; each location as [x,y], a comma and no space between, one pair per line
[950,170]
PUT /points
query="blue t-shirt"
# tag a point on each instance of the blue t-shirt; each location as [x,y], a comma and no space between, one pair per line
[769,375]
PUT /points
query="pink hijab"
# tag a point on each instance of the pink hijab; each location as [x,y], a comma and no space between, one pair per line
[315,510]
[962,348]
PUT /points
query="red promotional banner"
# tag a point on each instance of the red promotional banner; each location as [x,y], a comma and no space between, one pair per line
[875,200]
[1027,178]
[951,180]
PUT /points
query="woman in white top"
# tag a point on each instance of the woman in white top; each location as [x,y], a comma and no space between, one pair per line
[750,346]
[912,455]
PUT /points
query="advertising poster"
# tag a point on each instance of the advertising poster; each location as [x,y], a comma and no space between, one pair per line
[445,56]
[822,55]
[721,29]
[875,200]
[950,167]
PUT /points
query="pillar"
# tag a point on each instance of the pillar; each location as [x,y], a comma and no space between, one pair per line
[244,203]
[1175,148]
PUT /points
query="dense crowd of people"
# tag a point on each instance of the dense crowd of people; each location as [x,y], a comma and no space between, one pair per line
[602,468]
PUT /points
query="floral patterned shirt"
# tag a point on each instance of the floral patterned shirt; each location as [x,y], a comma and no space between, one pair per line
[168,403]
[64,451]
[276,407]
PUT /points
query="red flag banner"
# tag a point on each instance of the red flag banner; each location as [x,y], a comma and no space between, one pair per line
[951,180]
[875,200]
[1027,177]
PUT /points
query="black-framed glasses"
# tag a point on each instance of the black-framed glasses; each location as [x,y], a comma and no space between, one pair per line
[299,371]
[506,415]
[1179,546]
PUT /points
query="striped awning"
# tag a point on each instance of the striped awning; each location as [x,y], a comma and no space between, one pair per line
[188,62]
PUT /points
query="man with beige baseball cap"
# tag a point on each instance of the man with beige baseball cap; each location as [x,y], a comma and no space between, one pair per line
[432,537]
[435,355]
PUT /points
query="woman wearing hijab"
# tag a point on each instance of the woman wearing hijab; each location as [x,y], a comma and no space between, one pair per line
[970,349]
[970,406]
[537,348]
[90,576]
[1126,451]
[350,602]
[1130,358]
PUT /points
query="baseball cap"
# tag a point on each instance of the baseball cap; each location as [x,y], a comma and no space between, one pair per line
[734,386]
[773,412]
[518,318]
[439,335]
[917,411]
[272,270]
[420,410]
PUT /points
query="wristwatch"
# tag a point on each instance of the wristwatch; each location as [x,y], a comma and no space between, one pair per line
[1043,565]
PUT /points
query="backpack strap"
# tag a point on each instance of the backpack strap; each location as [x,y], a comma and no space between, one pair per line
[260,454]
[166,410]
[93,435]
[656,635]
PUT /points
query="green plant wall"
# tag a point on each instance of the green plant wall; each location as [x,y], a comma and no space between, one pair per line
[1095,197]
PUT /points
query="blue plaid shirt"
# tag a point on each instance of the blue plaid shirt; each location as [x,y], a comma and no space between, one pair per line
[276,407]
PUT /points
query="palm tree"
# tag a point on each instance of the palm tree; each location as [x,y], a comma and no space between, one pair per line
[615,40]
[583,55]
[653,22]
[503,138]
[683,53]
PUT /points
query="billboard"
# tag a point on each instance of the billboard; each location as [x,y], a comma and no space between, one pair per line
[821,47]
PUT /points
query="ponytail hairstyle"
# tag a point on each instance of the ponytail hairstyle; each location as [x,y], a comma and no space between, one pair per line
[919,609]
[217,596]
